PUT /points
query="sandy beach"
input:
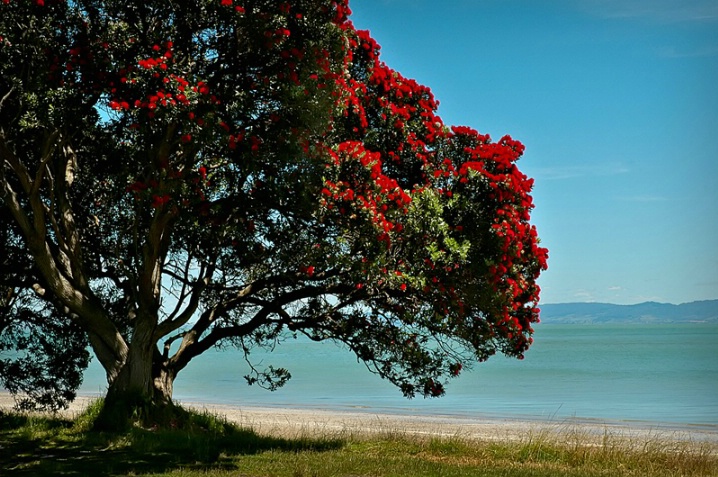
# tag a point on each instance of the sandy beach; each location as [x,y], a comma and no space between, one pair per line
[291,422]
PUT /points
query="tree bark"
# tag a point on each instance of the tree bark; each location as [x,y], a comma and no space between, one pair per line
[141,394]
[144,379]
[143,387]
[143,374]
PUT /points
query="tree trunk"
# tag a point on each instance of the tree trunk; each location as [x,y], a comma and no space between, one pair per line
[140,395]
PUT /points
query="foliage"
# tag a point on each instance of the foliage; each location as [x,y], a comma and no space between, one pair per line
[42,352]
[182,175]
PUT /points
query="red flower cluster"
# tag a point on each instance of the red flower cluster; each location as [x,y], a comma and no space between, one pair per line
[404,149]
[365,188]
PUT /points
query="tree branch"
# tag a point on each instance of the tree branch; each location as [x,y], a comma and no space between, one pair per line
[167,327]
[193,345]
[110,347]
[73,243]
[15,164]
[7,95]
[48,149]
[154,252]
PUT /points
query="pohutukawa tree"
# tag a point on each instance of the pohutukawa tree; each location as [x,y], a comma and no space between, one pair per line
[180,175]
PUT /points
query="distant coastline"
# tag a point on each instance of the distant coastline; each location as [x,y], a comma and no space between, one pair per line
[705,311]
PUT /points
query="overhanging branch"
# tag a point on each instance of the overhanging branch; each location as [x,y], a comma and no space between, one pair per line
[194,344]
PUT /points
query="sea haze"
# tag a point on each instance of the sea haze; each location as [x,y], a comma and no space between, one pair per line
[657,374]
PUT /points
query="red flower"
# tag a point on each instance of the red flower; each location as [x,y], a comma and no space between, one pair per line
[202,88]
[455,369]
[160,200]
[226,3]
[309,271]
[136,187]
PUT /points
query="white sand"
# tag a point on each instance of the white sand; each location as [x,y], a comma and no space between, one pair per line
[291,422]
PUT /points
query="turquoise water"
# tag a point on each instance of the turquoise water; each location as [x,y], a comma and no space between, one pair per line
[654,374]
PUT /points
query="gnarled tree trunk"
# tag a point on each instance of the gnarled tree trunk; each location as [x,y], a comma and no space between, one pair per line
[143,387]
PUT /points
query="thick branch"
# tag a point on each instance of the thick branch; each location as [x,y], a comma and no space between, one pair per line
[106,340]
[72,241]
[48,149]
[193,346]
[154,252]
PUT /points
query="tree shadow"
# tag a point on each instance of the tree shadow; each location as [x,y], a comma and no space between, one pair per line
[52,448]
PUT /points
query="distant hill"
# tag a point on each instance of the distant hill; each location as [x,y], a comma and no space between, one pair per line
[649,312]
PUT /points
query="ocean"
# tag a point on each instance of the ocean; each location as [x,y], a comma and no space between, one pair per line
[652,375]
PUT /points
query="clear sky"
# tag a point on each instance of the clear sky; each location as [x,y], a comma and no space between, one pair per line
[617,104]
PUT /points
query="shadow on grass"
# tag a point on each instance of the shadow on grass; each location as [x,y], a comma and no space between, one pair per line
[32,446]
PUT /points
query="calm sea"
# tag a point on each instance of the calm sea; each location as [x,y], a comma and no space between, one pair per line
[654,374]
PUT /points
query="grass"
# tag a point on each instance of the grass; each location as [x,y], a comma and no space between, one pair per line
[208,446]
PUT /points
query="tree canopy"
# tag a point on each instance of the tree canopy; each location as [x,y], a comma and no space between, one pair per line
[183,175]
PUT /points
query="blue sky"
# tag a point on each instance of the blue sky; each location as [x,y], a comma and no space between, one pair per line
[617,104]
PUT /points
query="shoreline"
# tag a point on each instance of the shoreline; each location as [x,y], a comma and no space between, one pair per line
[296,422]
[464,417]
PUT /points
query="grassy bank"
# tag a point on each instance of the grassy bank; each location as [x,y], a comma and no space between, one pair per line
[205,445]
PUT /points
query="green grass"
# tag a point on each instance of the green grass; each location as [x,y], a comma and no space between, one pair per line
[205,445]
